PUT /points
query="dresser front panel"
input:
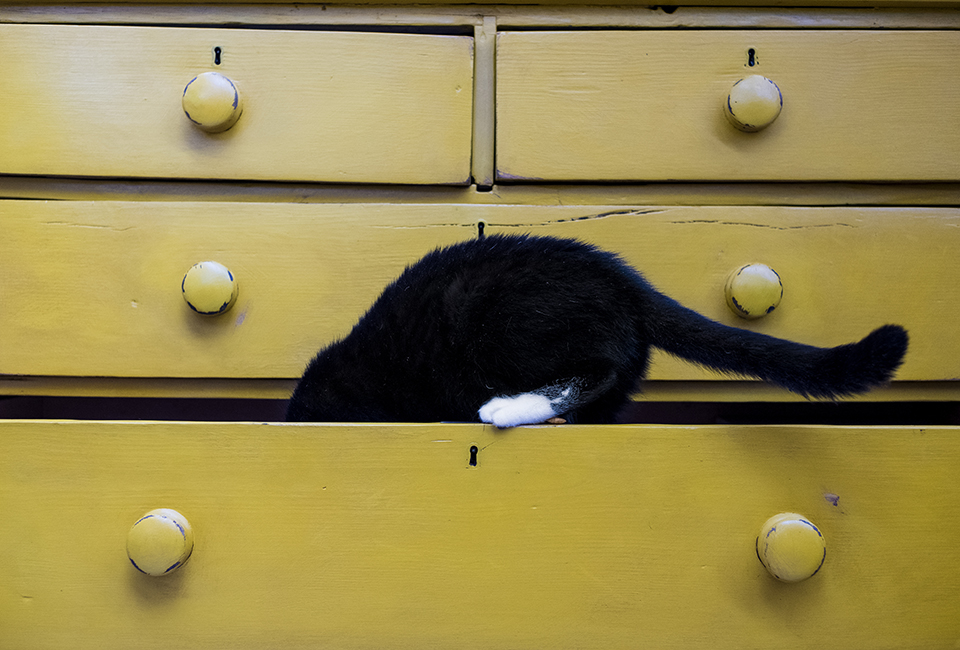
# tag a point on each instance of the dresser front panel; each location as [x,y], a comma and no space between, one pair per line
[385,536]
[647,105]
[94,288]
[339,107]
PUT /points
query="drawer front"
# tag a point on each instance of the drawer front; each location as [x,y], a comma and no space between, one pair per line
[845,271]
[94,288]
[386,536]
[333,106]
[647,105]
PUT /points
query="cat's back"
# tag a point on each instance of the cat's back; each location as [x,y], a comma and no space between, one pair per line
[510,259]
[499,275]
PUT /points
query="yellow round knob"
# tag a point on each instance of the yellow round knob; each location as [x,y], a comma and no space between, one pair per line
[160,542]
[212,102]
[791,547]
[753,290]
[753,103]
[209,288]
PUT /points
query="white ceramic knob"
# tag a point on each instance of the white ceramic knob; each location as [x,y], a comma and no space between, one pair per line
[791,547]
[753,103]
[209,288]
[160,542]
[753,291]
[212,102]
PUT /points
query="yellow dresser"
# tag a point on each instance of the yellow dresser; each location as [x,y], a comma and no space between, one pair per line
[311,152]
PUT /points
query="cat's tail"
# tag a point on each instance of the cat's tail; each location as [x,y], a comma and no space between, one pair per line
[810,371]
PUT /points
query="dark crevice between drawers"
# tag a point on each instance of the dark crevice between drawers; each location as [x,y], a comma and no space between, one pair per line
[683,413]
[432,30]
[816,413]
[143,408]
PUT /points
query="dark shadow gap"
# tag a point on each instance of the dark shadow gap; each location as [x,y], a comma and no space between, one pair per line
[683,413]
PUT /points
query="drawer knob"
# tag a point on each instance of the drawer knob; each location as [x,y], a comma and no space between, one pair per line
[753,290]
[209,288]
[160,542]
[791,547]
[753,103]
[212,102]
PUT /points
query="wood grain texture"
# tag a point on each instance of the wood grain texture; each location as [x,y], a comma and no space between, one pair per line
[903,14]
[93,288]
[553,194]
[845,271]
[485,102]
[354,5]
[384,536]
[334,106]
[99,282]
[646,105]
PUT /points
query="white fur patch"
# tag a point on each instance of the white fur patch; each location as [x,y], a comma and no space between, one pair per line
[526,408]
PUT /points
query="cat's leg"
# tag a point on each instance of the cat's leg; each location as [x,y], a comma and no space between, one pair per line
[540,405]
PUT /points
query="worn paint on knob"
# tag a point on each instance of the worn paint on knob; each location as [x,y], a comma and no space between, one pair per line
[753,103]
[791,547]
[160,542]
[753,291]
[209,288]
[212,102]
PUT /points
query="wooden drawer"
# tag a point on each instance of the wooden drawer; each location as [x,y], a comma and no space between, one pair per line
[647,105]
[317,106]
[385,537]
[94,288]
[844,270]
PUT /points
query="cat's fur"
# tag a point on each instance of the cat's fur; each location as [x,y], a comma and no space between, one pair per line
[517,329]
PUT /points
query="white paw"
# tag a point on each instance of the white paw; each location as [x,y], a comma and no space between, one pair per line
[526,408]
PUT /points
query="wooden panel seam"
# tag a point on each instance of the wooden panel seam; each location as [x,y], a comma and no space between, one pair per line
[896,14]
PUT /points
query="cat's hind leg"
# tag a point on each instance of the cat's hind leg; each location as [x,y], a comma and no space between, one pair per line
[539,405]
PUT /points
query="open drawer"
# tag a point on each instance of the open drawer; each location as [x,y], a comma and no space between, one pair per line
[93,289]
[562,537]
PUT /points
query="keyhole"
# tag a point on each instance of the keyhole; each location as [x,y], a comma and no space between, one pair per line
[473,455]
[481,226]
[752,57]
[216,55]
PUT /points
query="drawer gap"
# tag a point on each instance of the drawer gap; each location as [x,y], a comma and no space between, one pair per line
[639,412]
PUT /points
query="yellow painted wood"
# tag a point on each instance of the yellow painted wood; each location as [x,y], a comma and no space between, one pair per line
[484,110]
[640,105]
[385,537]
[317,106]
[939,14]
[778,194]
[845,271]
[94,288]
[353,4]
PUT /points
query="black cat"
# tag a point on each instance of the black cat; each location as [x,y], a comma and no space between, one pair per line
[514,330]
